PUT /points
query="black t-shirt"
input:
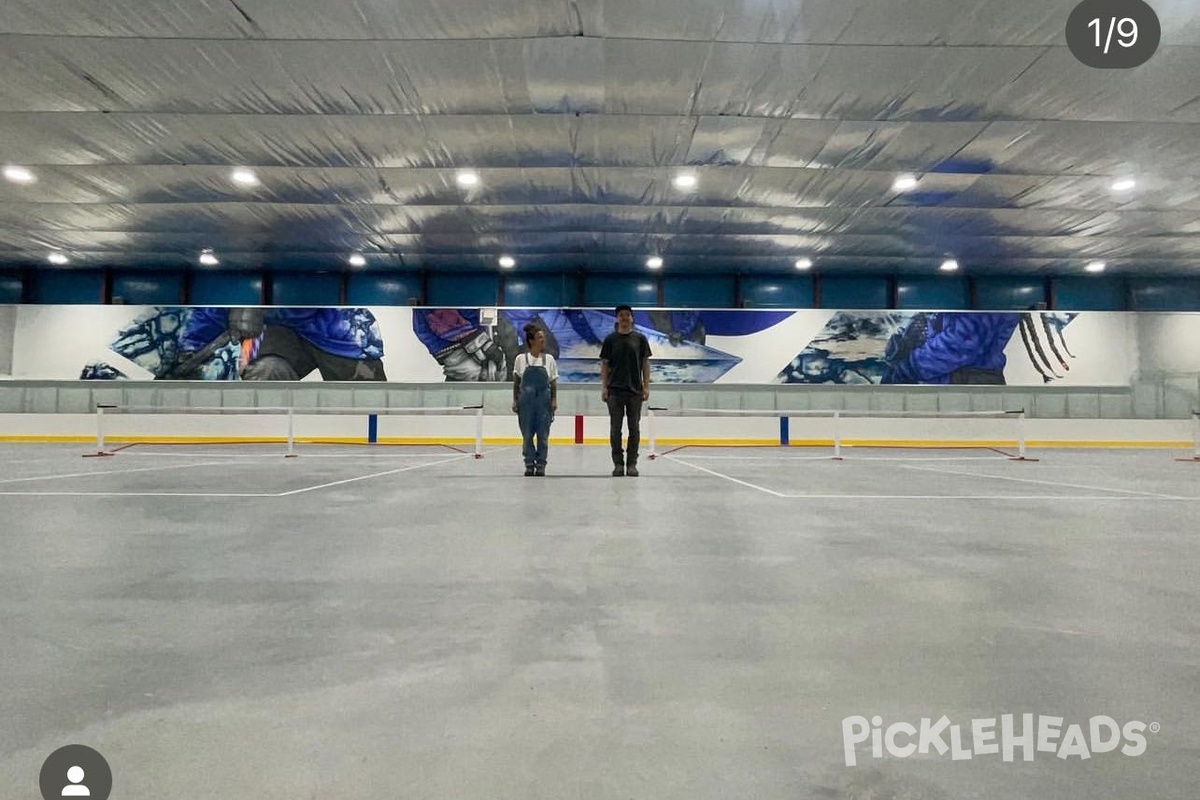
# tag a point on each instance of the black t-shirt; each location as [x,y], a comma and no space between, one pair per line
[624,353]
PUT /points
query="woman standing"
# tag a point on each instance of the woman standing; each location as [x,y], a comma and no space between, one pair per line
[535,398]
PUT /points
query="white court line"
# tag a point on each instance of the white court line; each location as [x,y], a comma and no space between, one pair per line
[1089,498]
[136,494]
[847,458]
[110,472]
[691,457]
[1044,483]
[911,459]
[372,475]
[726,477]
[229,494]
[364,455]
[1005,497]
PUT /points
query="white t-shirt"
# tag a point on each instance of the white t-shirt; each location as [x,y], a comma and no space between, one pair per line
[524,360]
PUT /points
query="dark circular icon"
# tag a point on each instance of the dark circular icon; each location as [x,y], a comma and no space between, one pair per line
[75,771]
[1113,34]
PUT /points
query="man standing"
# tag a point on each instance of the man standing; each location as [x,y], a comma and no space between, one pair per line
[624,386]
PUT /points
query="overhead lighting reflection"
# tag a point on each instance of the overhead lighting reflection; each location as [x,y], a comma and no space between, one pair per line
[18,174]
[244,177]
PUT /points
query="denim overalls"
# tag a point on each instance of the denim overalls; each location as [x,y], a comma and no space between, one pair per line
[533,410]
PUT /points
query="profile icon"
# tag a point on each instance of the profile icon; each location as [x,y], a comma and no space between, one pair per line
[76,788]
[75,770]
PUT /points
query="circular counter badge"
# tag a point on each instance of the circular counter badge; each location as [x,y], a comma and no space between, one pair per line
[1113,34]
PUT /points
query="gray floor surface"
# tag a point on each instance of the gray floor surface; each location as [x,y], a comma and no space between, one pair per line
[416,623]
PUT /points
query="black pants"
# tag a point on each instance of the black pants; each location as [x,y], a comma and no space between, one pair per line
[977,377]
[284,356]
[624,406]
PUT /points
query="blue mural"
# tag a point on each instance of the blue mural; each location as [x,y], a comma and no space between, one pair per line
[470,348]
[206,343]
[959,347]
[690,346]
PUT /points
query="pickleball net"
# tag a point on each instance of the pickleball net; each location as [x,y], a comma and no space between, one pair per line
[841,433]
[281,429]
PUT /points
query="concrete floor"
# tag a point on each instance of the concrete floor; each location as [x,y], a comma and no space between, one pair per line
[412,623]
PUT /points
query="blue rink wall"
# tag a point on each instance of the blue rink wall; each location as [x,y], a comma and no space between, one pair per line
[813,290]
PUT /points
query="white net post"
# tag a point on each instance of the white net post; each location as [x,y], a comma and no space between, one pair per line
[479,432]
[1196,435]
[291,433]
[100,451]
[650,432]
[1021,435]
[837,436]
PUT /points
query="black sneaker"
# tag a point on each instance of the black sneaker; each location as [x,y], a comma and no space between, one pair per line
[529,472]
[618,470]
[631,470]
[540,471]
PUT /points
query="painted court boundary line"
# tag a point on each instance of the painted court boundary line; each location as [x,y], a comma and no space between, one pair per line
[289,493]
[373,475]
[1046,483]
[365,455]
[860,459]
[726,477]
[109,472]
[1134,497]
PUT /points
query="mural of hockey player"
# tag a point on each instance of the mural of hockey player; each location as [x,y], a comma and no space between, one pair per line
[848,349]
[950,348]
[284,344]
[462,344]
[679,325]
[470,350]
[578,335]
[1042,335]
[152,341]
[511,320]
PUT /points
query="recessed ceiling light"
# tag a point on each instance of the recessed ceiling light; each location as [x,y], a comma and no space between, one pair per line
[57,258]
[685,181]
[904,183]
[803,263]
[949,265]
[654,262]
[244,177]
[1123,185]
[1095,266]
[508,262]
[357,260]
[467,178]
[208,259]
[18,174]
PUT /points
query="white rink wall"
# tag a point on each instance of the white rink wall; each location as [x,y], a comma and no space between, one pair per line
[1152,410]
[459,429]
